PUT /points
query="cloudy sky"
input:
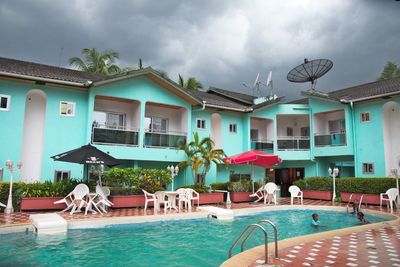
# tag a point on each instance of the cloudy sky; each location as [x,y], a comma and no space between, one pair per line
[221,43]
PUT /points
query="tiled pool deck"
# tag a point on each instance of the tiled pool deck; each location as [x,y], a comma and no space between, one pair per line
[370,247]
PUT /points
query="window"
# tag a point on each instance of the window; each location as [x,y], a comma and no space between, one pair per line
[237,177]
[154,124]
[365,116]
[201,124]
[337,126]
[232,128]
[113,120]
[1,174]
[305,131]
[254,134]
[368,168]
[289,131]
[61,175]
[67,108]
[5,102]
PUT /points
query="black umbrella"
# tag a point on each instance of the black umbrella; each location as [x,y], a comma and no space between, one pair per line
[87,154]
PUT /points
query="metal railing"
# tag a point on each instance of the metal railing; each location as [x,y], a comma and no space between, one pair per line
[164,139]
[330,139]
[293,143]
[115,136]
[359,204]
[262,145]
[250,230]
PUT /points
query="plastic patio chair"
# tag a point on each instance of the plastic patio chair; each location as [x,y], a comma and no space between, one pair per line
[270,192]
[259,194]
[161,200]
[68,200]
[150,198]
[80,194]
[390,196]
[295,192]
[2,205]
[193,195]
[100,202]
[184,199]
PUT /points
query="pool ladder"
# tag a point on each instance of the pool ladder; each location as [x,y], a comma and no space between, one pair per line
[249,231]
[359,204]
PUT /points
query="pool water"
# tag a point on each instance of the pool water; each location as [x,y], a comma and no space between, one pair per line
[199,242]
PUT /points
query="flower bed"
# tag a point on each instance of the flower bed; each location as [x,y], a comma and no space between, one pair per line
[315,194]
[211,198]
[240,197]
[41,203]
[129,201]
[371,199]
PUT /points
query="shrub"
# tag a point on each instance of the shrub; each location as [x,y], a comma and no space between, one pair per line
[242,186]
[365,185]
[219,186]
[301,184]
[199,188]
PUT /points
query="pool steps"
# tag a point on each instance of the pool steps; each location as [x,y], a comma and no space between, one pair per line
[219,213]
[49,223]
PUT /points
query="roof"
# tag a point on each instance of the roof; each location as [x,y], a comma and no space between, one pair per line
[361,92]
[25,68]
[218,100]
[244,98]
[298,101]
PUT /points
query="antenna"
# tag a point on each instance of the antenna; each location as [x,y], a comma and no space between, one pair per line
[255,86]
[310,71]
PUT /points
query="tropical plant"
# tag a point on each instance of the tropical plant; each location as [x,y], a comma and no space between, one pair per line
[190,84]
[95,61]
[390,70]
[200,154]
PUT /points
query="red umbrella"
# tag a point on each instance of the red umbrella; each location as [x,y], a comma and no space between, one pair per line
[254,157]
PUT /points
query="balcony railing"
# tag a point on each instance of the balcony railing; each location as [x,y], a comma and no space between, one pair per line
[112,136]
[164,139]
[293,143]
[331,139]
[262,145]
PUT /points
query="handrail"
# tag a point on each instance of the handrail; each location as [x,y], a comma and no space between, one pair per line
[249,232]
[348,203]
[359,204]
[254,225]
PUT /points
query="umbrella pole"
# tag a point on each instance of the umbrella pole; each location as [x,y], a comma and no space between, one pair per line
[252,177]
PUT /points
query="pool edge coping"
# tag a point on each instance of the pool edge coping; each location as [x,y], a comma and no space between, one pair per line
[250,256]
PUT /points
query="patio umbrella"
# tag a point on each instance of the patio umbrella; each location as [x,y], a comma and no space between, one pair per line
[254,158]
[87,154]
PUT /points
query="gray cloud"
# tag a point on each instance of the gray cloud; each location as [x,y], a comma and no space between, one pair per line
[221,43]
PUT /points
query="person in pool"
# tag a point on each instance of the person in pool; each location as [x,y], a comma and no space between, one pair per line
[315,221]
[355,207]
[360,217]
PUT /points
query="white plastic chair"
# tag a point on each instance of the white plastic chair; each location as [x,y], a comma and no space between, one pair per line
[295,192]
[184,199]
[150,198]
[80,194]
[2,205]
[68,200]
[193,195]
[100,202]
[390,196]
[270,192]
[259,194]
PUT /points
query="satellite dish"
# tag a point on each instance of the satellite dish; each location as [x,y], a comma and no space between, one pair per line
[255,87]
[310,71]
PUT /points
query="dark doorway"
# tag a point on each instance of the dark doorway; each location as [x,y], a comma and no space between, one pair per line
[285,178]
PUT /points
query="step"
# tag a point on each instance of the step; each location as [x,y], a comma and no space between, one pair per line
[49,223]
[219,213]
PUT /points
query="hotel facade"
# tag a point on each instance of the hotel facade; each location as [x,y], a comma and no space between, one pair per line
[141,118]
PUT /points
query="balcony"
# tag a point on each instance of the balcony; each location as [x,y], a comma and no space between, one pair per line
[262,145]
[331,139]
[294,143]
[164,139]
[111,136]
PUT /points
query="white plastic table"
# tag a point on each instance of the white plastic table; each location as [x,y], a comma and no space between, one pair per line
[171,195]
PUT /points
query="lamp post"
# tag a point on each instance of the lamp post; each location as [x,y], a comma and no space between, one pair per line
[333,173]
[97,171]
[174,172]
[395,175]
[10,166]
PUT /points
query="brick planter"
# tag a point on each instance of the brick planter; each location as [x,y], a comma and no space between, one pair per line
[211,198]
[371,199]
[240,196]
[321,195]
[129,201]
[41,203]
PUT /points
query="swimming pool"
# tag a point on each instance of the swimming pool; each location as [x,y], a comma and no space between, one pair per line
[198,242]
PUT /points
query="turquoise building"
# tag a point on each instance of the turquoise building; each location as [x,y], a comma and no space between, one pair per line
[140,118]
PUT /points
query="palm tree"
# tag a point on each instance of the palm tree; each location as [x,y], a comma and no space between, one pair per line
[95,61]
[191,83]
[200,154]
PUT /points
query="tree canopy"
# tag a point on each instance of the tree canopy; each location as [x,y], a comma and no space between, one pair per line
[191,83]
[390,70]
[95,61]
